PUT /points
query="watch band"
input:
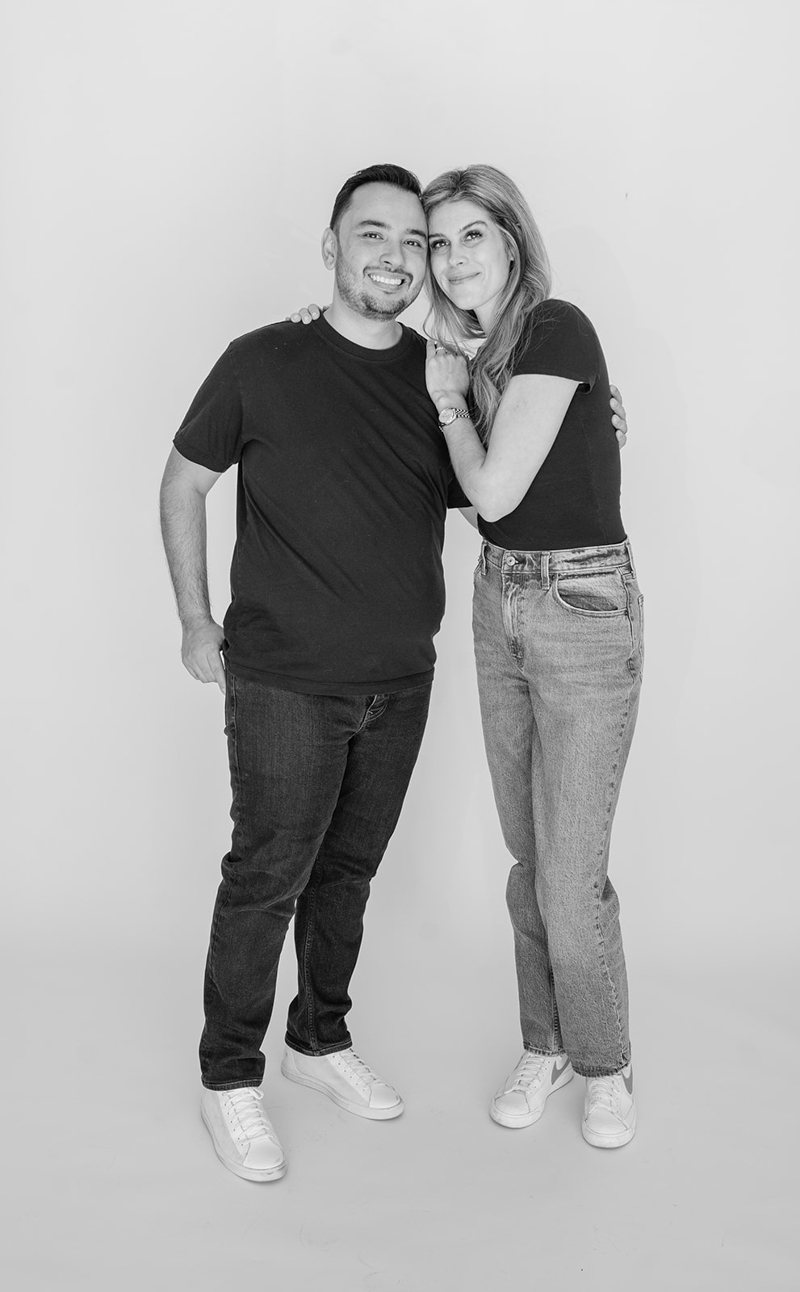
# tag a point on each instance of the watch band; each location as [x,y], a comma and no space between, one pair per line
[448,415]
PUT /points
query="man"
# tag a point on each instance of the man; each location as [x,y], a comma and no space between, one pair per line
[337,593]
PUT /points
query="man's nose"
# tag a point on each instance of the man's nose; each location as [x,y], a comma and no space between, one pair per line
[392,253]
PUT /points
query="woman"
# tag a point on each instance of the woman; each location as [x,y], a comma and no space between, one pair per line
[558,628]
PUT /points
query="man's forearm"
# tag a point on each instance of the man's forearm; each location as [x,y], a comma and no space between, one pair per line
[183,528]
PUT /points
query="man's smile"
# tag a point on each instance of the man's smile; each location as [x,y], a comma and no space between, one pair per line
[386,280]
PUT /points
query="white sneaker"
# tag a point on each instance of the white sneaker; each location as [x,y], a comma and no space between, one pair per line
[609,1112]
[521,1099]
[242,1134]
[345,1079]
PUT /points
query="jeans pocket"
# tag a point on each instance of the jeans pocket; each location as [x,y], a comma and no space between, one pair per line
[600,594]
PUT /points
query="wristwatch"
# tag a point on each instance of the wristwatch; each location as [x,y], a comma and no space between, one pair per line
[448,415]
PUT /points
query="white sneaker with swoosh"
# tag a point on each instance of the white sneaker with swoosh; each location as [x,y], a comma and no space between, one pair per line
[521,1099]
[609,1111]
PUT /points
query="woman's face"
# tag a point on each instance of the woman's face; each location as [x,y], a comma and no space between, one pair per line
[469,257]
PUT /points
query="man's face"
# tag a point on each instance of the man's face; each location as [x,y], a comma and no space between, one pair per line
[380,253]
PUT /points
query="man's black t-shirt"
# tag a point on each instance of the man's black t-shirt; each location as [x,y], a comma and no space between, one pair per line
[344,480]
[574,499]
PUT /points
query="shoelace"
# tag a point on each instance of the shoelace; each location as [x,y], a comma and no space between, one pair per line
[528,1071]
[604,1093]
[251,1122]
[358,1069]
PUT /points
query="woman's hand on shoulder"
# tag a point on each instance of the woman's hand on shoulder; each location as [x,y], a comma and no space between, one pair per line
[618,419]
[446,375]
[306,314]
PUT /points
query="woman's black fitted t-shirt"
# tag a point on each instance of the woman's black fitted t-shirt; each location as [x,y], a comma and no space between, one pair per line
[574,499]
[344,481]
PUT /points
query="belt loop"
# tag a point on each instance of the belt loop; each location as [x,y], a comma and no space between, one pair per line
[484,547]
[545,571]
[629,550]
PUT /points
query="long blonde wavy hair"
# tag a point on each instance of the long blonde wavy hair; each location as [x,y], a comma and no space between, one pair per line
[527,286]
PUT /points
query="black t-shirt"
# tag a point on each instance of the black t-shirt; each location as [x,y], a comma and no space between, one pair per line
[344,480]
[573,500]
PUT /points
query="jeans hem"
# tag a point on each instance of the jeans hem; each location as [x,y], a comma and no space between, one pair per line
[599,1071]
[547,1054]
[233,1085]
[320,1052]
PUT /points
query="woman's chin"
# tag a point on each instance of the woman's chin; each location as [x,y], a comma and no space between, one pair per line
[463,300]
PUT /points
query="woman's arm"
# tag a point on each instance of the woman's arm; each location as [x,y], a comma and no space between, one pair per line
[528,420]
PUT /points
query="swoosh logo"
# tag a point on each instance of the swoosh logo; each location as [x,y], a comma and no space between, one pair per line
[556,1073]
[628,1082]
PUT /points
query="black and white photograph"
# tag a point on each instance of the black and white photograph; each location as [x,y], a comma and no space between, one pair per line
[400,860]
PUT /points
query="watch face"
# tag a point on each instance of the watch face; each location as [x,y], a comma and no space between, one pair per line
[447,416]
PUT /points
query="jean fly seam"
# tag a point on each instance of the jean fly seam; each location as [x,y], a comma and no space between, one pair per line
[376,710]
[510,597]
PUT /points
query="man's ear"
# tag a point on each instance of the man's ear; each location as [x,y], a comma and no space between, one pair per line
[329,248]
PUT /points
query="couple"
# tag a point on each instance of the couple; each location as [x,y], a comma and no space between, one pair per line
[352,439]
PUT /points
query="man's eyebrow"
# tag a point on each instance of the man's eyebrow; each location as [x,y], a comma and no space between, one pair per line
[381,224]
[463,228]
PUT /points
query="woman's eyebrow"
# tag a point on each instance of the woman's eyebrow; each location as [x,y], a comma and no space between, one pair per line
[463,228]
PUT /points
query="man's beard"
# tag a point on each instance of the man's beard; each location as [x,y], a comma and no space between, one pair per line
[357,297]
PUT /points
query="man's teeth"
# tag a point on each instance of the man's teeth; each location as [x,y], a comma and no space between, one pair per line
[384,278]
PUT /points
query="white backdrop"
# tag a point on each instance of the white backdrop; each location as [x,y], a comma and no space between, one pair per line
[170,167]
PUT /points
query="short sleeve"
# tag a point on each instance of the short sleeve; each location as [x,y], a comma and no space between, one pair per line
[456,496]
[561,343]
[211,432]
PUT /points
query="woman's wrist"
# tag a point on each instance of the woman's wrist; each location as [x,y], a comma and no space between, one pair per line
[450,399]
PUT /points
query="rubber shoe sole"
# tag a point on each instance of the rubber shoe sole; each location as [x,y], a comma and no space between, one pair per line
[360,1110]
[244,1172]
[528,1119]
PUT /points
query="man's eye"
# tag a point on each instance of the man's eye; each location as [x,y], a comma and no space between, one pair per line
[414,242]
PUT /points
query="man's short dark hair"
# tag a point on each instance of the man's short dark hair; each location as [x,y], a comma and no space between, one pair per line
[385,174]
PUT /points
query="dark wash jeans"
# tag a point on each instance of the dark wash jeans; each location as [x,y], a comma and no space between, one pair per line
[318,782]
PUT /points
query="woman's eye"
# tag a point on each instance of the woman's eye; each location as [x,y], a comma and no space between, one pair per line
[472,233]
[437,245]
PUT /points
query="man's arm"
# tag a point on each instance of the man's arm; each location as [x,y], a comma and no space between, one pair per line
[183,528]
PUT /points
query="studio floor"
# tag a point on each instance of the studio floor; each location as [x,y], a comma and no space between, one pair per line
[111,1183]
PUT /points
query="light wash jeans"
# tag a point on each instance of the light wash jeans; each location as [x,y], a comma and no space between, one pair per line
[558,645]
